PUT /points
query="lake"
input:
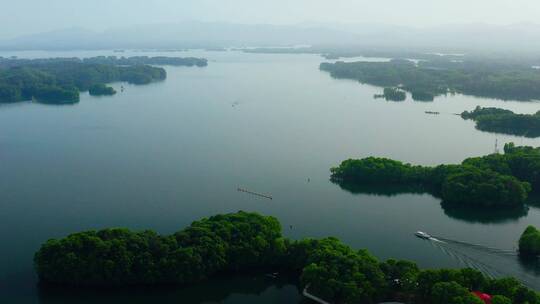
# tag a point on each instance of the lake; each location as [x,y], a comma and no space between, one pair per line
[160,156]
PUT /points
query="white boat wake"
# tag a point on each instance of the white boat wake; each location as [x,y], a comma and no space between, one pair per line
[493,262]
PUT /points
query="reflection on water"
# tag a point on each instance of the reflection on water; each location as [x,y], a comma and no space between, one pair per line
[534,200]
[380,190]
[467,214]
[484,215]
[239,289]
[530,264]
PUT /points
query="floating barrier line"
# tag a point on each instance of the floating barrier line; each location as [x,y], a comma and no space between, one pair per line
[255,193]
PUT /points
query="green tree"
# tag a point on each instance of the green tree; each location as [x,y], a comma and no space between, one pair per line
[500,300]
[529,242]
[452,293]
[475,186]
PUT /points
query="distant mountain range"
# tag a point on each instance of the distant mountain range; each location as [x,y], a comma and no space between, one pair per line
[181,35]
[469,37]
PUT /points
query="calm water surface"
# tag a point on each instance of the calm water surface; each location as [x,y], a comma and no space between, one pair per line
[163,155]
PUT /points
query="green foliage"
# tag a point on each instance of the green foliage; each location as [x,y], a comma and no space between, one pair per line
[56,95]
[394,94]
[335,271]
[422,96]
[9,94]
[402,278]
[505,121]
[479,111]
[101,89]
[511,288]
[59,81]
[506,287]
[500,300]
[378,170]
[429,290]
[250,242]
[436,77]
[521,162]
[529,242]
[115,257]
[495,162]
[452,293]
[474,186]
[524,162]
[427,279]
[492,180]
[141,74]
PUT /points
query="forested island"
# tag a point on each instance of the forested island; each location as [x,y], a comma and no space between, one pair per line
[60,80]
[393,94]
[249,242]
[430,78]
[529,243]
[505,121]
[493,181]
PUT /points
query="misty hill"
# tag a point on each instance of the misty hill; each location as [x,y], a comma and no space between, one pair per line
[450,38]
[181,35]
[473,36]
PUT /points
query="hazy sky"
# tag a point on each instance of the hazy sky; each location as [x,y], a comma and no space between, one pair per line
[28,16]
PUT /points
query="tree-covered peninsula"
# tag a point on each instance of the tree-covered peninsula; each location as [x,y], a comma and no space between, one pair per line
[429,78]
[496,180]
[529,242]
[505,121]
[60,80]
[248,242]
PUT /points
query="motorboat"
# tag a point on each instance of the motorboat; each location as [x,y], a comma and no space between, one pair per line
[422,235]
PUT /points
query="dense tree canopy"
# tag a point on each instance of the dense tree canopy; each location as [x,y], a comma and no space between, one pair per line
[492,180]
[505,121]
[56,94]
[430,78]
[114,257]
[101,89]
[393,94]
[523,162]
[500,300]
[249,242]
[529,243]
[335,271]
[452,293]
[474,186]
[379,170]
[422,96]
[60,80]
